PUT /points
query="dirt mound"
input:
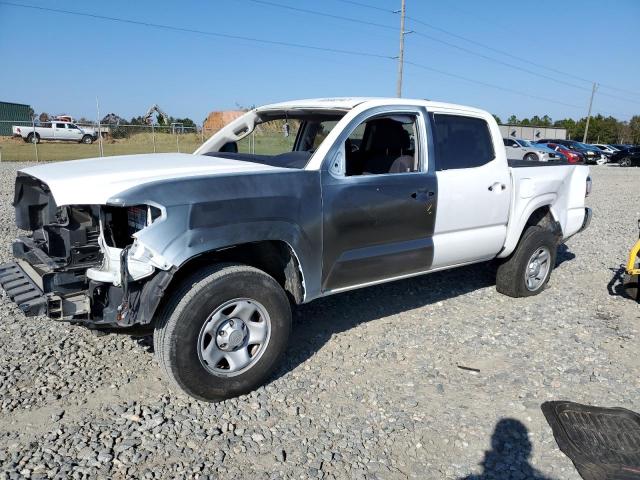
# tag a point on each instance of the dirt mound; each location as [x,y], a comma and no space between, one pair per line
[216,120]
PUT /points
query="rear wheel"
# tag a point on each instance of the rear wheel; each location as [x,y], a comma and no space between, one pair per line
[531,157]
[625,162]
[528,269]
[33,138]
[223,332]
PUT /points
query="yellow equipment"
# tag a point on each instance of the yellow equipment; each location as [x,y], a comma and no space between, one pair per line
[632,271]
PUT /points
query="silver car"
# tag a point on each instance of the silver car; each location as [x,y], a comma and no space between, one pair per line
[520,149]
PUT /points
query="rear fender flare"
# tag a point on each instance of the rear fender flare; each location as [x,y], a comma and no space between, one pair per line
[515,229]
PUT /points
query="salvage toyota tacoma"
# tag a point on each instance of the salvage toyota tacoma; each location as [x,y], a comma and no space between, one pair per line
[286,204]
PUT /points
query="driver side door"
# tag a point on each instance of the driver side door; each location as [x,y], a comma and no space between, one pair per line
[379,201]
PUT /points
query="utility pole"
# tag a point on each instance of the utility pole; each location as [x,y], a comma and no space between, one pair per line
[401,56]
[586,129]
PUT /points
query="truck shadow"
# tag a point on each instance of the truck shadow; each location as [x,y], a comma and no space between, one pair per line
[316,322]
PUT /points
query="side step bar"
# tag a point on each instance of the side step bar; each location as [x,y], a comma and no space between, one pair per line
[22,290]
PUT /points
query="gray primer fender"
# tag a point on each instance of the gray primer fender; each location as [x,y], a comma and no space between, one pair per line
[214,212]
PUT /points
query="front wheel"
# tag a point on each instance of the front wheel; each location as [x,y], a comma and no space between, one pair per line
[88,139]
[528,269]
[531,157]
[223,332]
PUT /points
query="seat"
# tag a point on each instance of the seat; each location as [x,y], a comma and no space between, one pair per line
[385,141]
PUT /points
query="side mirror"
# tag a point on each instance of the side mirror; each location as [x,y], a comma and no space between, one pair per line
[229,147]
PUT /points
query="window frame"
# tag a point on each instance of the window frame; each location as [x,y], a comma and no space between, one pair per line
[335,161]
[432,114]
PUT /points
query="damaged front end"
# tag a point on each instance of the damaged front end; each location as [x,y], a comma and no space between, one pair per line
[83,263]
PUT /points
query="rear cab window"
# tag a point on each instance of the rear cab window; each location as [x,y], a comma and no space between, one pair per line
[461,142]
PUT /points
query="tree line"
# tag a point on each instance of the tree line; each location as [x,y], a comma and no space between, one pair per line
[601,129]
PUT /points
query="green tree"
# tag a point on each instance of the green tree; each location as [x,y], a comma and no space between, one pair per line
[497,118]
[512,120]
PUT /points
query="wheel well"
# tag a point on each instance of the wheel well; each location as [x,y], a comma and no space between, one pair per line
[544,218]
[274,257]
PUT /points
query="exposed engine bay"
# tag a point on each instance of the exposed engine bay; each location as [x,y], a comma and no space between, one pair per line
[82,263]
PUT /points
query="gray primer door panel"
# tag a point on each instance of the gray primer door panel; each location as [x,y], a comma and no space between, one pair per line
[376,227]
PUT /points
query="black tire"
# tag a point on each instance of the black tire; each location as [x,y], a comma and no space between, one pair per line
[625,162]
[510,276]
[87,139]
[31,138]
[531,157]
[179,325]
[631,286]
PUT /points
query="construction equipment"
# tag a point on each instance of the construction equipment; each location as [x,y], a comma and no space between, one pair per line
[632,271]
[148,117]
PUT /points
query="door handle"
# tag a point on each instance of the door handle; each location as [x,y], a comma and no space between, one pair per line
[429,193]
[497,186]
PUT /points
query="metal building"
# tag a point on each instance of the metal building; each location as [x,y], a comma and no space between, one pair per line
[532,133]
[13,112]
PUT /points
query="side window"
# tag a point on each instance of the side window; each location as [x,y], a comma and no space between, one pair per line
[509,143]
[461,142]
[382,145]
[59,125]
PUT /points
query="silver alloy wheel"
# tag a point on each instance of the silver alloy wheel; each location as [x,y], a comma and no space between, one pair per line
[625,162]
[538,268]
[234,337]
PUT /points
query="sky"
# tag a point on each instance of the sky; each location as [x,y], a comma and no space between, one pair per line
[508,57]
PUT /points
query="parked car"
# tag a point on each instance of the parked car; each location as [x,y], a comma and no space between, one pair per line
[606,148]
[520,149]
[211,249]
[591,155]
[621,146]
[572,156]
[627,158]
[66,131]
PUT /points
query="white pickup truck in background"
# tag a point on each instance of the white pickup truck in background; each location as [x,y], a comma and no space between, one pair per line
[55,130]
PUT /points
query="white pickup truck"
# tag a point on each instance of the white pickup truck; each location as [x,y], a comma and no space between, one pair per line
[288,203]
[55,130]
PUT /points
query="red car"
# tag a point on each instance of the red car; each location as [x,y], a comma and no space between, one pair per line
[572,155]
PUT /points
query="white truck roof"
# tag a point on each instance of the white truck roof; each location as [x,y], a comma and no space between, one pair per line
[348,103]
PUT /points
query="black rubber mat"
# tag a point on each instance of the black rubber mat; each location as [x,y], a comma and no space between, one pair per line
[603,443]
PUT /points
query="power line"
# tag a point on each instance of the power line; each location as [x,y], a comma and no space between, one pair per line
[438,40]
[496,50]
[274,42]
[198,32]
[366,5]
[490,85]
[323,14]
[516,57]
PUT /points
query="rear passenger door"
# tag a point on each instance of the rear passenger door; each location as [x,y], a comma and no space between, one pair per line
[474,189]
[60,131]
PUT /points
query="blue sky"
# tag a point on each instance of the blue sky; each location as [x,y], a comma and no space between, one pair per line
[59,62]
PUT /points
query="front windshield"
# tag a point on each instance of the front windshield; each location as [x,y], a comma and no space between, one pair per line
[281,138]
[525,143]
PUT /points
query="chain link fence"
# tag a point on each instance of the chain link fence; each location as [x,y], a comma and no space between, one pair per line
[43,141]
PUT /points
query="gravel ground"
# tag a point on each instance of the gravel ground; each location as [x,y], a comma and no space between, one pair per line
[371,387]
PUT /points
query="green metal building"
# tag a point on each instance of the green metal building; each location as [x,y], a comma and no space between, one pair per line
[13,112]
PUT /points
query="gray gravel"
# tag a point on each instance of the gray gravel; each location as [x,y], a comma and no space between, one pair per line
[371,387]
